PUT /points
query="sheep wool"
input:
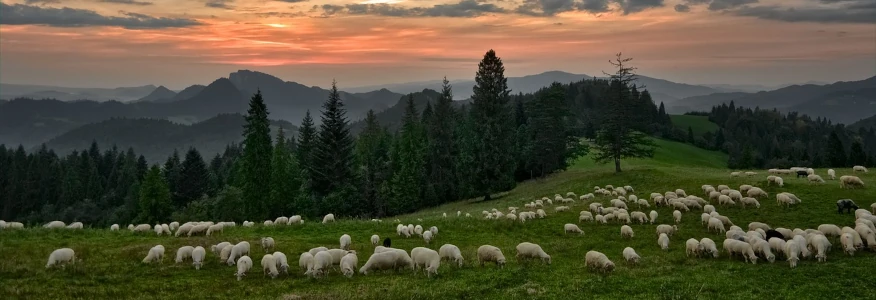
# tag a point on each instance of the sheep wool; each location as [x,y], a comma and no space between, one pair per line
[184,229]
[328,218]
[322,262]
[792,251]
[244,264]
[427,237]
[653,216]
[218,247]
[572,228]
[267,243]
[529,250]
[61,257]
[626,231]
[238,251]
[663,241]
[708,247]
[269,266]
[198,255]
[155,254]
[426,258]
[345,241]
[282,262]
[305,262]
[379,261]
[375,239]
[489,253]
[55,225]
[598,261]
[114,227]
[349,264]
[452,253]
[184,253]
[631,256]
[225,253]
[692,246]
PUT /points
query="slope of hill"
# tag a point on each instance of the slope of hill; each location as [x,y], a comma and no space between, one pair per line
[392,117]
[188,92]
[160,94]
[123,94]
[865,123]
[842,106]
[156,139]
[699,124]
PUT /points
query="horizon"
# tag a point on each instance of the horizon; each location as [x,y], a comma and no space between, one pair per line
[117,43]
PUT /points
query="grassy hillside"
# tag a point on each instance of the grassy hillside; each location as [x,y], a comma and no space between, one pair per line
[110,261]
[699,124]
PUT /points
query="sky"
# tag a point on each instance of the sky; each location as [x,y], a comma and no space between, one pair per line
[176,43]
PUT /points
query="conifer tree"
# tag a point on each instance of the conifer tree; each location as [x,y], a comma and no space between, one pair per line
[442,177]
[409,176]
[155,204]
[193,178]
[836,152]
[284,178]
[256,167]
[332,159]
[372,153]
[857,157]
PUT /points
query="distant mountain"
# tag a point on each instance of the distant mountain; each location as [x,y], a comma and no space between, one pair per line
[661,90]
[188,92]
[122,94]
[392,117]
[855,98]
[156,139]
[160,94]
[865,123]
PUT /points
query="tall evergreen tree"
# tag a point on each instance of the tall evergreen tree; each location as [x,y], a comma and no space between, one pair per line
[171,171]
[194,179]
[284,178]
[372,152]
[836,152]
[155,204]
[690,135]
[442,177]
[306,140]
[857,157]
[617,139]
[492,126]
[719,140]
[256,166]
[409,177]
[332,159]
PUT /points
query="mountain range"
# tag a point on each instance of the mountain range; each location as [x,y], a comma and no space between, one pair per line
[122,94]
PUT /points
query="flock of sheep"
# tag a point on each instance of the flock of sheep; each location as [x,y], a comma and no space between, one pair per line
[759,241]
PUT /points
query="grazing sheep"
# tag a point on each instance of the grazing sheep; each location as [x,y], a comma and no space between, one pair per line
[820,245]
[850,181]
[859,169]
[375,239]
[639,217]
[268,223]
[78,225]
[322,262]
[716,224]
[281,221]
[667,229]
[763,247]
[197,229]
[663,241]
[184,229]
[488,253]
[597,260]
[561,208]
[724,199]
[734,246]
[755,225]
[631,256]
[856,238]
[328,218]
[735,174]
[692,246]
[814,179]
[626,231]
[225,252]
[846,204]
[296,219]
[349,263]
[830,230]
[677,215]
[345,241]
[572,228]
[269,266]
[198,255]
[379,261]
[736,195]
[653,216]
[305,262]
[184,253]
[427,237]
[530,250]
[847,242]
[155,254]
[452,253]
[434,230]
[792,251]
[831,174]
[600,219]
[418,230]
[756,192]
[282,262]
[56,225]
[244,264]
[61,257]
[215,228]
[704,217]
[267,243]
[750,202]
[238,251]
[708,247]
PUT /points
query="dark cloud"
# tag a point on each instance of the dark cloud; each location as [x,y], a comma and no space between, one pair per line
[42,1]
[20,14]
[728,4]
[131,2]
[219,4]
[553,7]
[277,14]
[859,12]
[634,6]
[465,8]
[682,8]
[292,1]
[696,2]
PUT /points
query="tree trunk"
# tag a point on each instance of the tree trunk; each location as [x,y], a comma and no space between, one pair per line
[617,168]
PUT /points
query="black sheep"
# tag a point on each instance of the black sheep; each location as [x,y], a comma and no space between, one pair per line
[846,204]
[802,173]
[387,242]
[774,234]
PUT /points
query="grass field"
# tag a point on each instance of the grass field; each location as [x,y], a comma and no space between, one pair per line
[109,264]
[699,124]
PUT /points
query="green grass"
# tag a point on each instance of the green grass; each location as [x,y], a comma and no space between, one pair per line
[699,124]
[110,268]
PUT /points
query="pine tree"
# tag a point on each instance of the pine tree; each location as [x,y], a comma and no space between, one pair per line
[256,172]
[171,171]
[193,179]
[409,177]
[332,159]
[617,139]
[217,176]
[690,135]
[284,178]
[142,167]
[492,126]
[857,157]
[719,140]
[372,153]
[549,131]
[836,152]
[155,204]
[442,177]
[306,139]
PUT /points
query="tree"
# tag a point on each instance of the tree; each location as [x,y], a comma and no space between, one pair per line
[155,203]
[194,179]
[857,157]
[332,161]
[836,152]
[284,178]
[690,135]
[171,170]
[616,139]
[372,153]
[256,170]
[409,177]
[492,126]
[442,181]
[306,139]
[719,140]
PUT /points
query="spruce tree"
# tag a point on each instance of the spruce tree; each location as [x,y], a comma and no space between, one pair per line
[836,152]
[372,153]
[171,171]
[409,177]
[155,204]
[256,167]
[194,179]
[492,125]
[306,139]
[719,140]
[332,159]
[617,138]
[690,135]
[857,157]
[442,177]
[284,178]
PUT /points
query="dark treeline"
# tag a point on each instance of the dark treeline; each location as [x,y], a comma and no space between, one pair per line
[439,153]
[756,138]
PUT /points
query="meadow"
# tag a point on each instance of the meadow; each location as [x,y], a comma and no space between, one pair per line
[699,124]
[109,264]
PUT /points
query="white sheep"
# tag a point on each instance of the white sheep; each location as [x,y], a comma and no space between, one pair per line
[814,179]
[572,228]
[269,266]
[155,254]
[716,224]
[183,229]
[830,230]
[756,225]
[733,246]
[677,215]
[296,219]
[281,261]
[860,169]
[349,263]
[237,251]
[268,223]
[848,181]
[692,246]
[61,257]
[631,256]
[847,241]
[708,247]
[379,261]
[663,241]
[314,251]
[375,239]
[626,231]
[561,208]
[427,237]
[831,174]
[244,264]
[653,216]
[184,253]
[345,241]
[225,253]
[488,253]
[305,262]
[792,251]
[218,247]
[856,238]
[55,225]
[598,260]
[215,228]
[820,245]
[426,258]
[75,225]
[198,255]
[667,229]
[418,230]
[267,243]
[322,262]
[197,229]
[452,253]
[763,247]
[434,230]
[530,250]
[328,218]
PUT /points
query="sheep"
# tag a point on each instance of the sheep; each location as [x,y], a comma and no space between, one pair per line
[530,250]
[488,253]
[349,263]
[572,228]
[418,230]
[561,208]
[322,261]
[296,219]
[427,237]
[735,174]
[716,224]
[452,253]
[831,174]
[328,218]
[639,217]
[692,246]
[631,256]
[183,253]
[708,246]
[200,228]
[267,243]
[345,241]
[225,253]
[830,230]
[155,254]
[763,247]
[269,266]
[434,230]
[268,223]
[736,195]
[305,262]
[379,261]
[850,181]
[653,216]
[677,215]
[667,229]
[626,231]
[865,232]
[733,246]
[244,264]
[198,255]
[756,192]
[859,169]
[846,204]
[847,242]
[237,251]
[755,225]
[820,244]
[215,228]
[55,225]
[814,179]
[76,225]
[114,227]
[597,260]
[427,258]
[61,257]
[663,241]
[282,262]
[184,229]
[375,239]
[856,238]
[724,199]
[750,202]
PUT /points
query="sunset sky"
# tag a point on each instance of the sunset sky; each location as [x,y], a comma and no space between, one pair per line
[176,43]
